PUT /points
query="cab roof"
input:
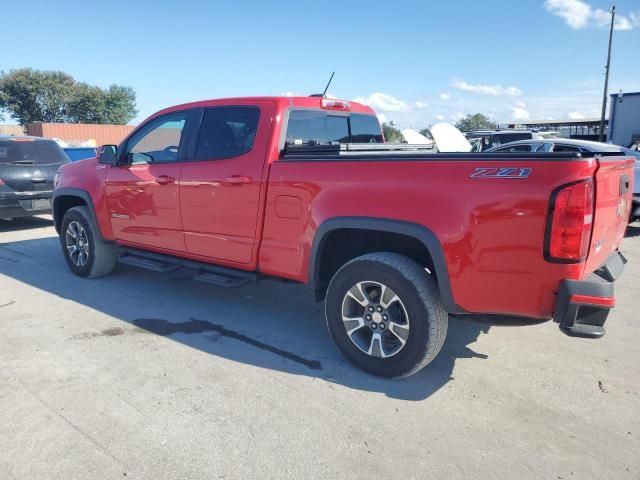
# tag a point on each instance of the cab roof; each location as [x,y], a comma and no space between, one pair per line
[281,102]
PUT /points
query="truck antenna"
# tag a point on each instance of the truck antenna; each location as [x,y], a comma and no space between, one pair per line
[324,94]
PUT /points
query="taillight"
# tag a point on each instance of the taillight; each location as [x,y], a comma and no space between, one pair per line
[332,104]
[569,223]
[1,182]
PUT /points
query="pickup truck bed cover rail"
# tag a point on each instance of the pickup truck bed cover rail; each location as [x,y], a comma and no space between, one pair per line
[414,152]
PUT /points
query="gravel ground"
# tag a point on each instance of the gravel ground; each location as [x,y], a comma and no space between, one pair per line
[154,376]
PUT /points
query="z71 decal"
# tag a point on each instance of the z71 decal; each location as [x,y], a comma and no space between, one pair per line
[503,172]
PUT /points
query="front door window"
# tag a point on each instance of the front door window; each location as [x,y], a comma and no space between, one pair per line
[158,141]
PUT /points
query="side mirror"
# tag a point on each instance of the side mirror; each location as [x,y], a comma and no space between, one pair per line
[107,154]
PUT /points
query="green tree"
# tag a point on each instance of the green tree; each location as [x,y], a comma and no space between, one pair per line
[120,104]
[476,121]
[29,95]
[391,135]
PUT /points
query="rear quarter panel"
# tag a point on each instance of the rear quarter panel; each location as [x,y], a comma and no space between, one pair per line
[491,230]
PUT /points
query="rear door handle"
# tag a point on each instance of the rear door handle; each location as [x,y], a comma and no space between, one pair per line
[165,180]
[239,180]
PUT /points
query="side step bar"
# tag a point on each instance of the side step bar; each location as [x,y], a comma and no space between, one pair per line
[202,272]
[147,263]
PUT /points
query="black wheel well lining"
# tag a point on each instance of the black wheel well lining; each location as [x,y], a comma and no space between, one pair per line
[341,239]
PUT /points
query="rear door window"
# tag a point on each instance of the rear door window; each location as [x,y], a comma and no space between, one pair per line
[227,132]
[31,152]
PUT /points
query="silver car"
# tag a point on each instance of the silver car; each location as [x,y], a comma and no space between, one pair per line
[567,145]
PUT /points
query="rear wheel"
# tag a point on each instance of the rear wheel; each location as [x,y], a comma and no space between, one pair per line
[384,313]
[87,255]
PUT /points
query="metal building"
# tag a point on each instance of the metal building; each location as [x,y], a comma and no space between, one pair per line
[78,133]
[624,118]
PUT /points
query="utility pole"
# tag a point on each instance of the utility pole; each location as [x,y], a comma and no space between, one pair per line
[606,77]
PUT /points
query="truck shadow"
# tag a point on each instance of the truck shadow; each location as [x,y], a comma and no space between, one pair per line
[269,325]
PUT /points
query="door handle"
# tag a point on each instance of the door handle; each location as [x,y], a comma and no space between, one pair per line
[239,180]
[165,180]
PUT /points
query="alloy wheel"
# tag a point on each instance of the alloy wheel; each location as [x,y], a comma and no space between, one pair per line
[77,244]
[375,319]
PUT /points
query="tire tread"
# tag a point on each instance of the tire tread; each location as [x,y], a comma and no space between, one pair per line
[428,294]
[105,257]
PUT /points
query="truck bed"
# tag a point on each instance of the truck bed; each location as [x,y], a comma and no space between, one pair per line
[491,227]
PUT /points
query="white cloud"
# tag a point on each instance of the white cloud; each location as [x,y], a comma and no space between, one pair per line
[291,94]
[440,117]
[520,104]
[512,92]
[579,14]
[384,102]
[457,116]
[420,104]
[519,113]
[382,118]
[445,96]
[575,13]
[576,116]
[495,90]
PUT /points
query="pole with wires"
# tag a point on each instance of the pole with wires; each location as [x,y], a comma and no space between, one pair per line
[606,77]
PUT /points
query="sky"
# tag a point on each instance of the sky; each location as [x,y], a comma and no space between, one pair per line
[414,62]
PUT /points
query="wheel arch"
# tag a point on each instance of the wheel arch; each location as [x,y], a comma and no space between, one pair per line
[409,230]
[67,198]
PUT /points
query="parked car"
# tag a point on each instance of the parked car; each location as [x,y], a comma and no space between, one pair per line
[491,138]
[548,133]
[80,153]
[579,146]
[556,145]
[242,189]
[635,208]
[27,169]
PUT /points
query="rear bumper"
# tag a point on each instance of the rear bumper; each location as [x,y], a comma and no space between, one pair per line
[582,306]
[21,204]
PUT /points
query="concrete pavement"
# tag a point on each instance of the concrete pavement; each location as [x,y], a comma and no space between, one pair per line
[153,376]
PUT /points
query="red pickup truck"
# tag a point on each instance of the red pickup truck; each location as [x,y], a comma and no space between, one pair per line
[394,237]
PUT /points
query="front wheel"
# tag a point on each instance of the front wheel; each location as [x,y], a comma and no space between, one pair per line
[87,255]
[384,313]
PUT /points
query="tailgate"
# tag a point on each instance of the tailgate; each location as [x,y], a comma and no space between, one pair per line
[28,178]
[613,190]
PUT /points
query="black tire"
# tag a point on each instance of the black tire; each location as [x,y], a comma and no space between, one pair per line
[420,300]
[101,256]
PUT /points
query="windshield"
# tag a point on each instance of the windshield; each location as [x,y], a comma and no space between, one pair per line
[31,152]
